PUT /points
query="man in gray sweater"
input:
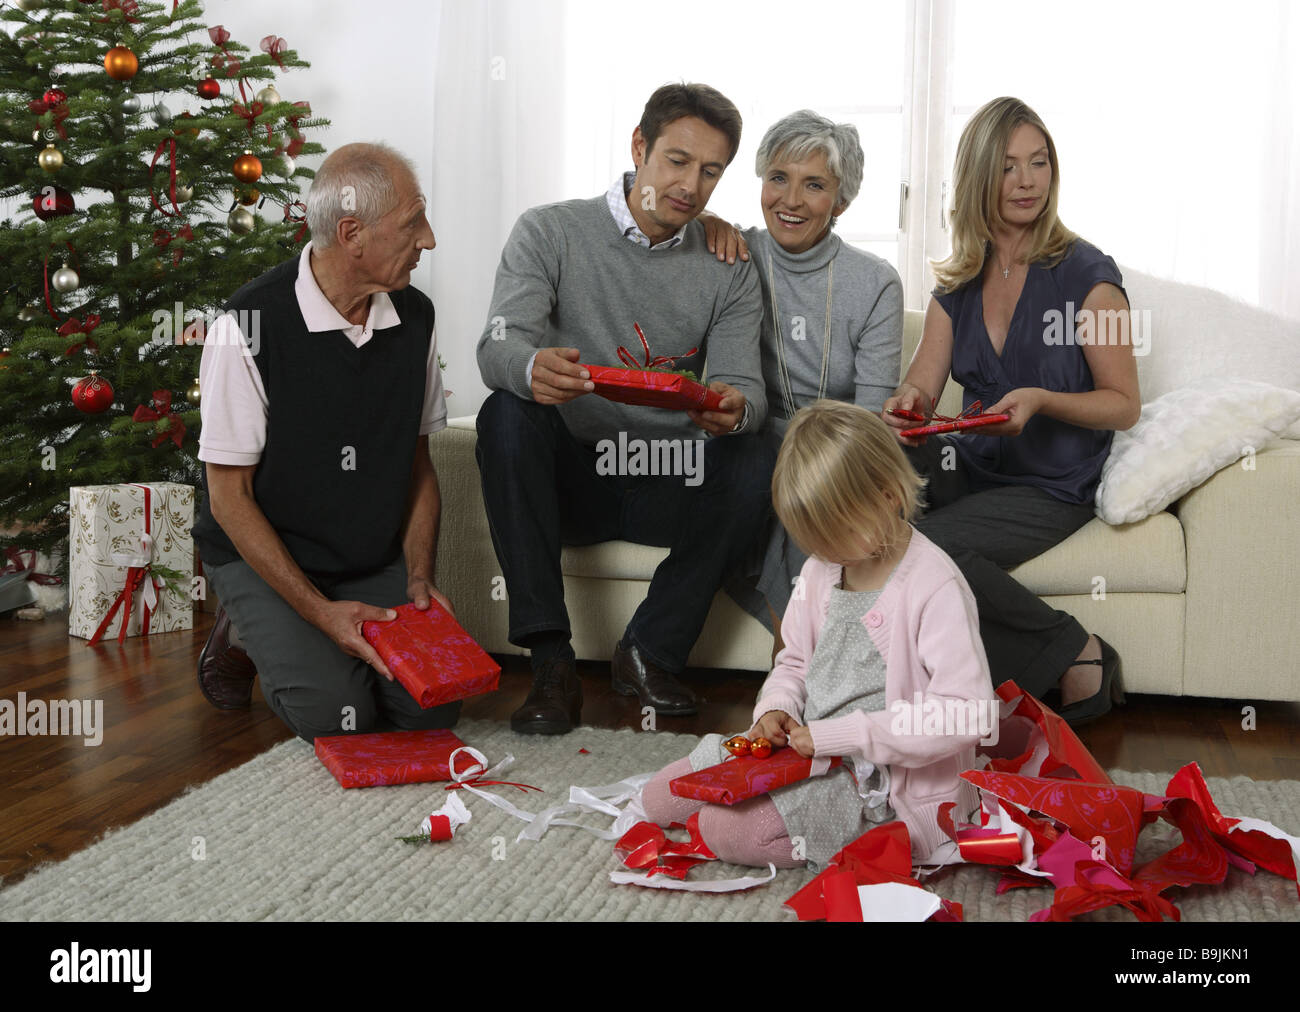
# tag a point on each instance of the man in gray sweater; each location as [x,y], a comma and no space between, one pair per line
[561,465]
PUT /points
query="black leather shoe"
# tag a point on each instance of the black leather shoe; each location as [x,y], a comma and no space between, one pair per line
[554,705]
[631,674]
[226,673]
[1099,703]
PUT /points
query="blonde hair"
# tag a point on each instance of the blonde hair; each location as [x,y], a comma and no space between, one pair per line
[841,475]
[977,195]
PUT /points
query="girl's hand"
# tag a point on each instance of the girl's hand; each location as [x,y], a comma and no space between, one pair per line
[801,741]
[774,726]
[1021,404]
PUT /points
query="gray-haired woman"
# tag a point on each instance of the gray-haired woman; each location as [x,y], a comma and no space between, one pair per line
[833,314]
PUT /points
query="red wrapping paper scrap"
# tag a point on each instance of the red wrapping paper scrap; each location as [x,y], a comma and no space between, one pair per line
[431,655]
[647,847]
[883,854]
[745,777]
[652,389]
[1067,757]
[388,757]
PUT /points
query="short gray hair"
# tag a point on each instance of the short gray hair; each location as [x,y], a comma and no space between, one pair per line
[366,170]
[804,132]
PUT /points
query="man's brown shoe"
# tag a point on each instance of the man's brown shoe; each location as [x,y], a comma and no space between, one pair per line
[554,706]
[633,674]
[226,673]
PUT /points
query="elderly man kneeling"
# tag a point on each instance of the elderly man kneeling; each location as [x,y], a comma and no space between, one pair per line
[320,389]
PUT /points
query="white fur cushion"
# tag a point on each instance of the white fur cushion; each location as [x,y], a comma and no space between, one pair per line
[1185,436]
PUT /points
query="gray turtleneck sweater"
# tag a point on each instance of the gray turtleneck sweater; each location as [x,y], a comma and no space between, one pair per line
[866,323]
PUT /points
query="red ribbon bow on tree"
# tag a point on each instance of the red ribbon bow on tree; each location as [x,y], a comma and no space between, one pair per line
[250,112]
[219,37]
[129,9]
[162,408]
[17,564]
[294,145]
[628,359]
[289,215]
[72,326]
[60,109]
[162,238]
[273,46]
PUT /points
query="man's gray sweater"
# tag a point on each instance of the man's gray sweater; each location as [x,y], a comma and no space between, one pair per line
[568,278]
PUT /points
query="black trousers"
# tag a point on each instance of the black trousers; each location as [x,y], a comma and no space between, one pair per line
[542,489]
[987,532]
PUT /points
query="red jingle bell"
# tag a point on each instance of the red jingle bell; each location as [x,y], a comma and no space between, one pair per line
[209,88]
[92,394]
[760,748]
[737,745]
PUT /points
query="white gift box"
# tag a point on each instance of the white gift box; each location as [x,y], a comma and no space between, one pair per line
[112,530]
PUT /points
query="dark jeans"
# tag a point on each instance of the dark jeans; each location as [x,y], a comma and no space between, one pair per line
[987,532]
[306,679]
[541,490]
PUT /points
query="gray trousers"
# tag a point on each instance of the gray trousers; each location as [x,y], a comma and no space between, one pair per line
[987,532]
[309,683]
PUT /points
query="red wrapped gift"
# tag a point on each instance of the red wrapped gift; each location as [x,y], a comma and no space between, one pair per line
[652,389]
[431,655]
[746,777]
[388,757]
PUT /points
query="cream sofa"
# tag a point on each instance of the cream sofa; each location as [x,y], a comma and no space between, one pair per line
[1202,599]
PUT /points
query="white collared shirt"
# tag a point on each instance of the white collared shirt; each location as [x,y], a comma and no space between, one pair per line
[234,403]
[616,197]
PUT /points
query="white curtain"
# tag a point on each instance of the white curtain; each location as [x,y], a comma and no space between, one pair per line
[498,149]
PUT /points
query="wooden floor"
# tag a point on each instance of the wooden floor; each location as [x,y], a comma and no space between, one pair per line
[160,735]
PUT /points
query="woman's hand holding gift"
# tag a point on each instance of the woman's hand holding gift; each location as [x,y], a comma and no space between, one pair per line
[1021,404]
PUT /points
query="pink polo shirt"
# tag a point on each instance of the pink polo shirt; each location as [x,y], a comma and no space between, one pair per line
[234,403]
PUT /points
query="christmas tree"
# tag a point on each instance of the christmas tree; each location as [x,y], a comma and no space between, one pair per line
[140,218]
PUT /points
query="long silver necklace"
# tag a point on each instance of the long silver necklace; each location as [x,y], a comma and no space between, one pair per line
[786,392]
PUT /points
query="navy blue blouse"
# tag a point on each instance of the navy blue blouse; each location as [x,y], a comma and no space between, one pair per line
[1040,351]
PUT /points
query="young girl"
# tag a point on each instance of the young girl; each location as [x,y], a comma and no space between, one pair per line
[880,623]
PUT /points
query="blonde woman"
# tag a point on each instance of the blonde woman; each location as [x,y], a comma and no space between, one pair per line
[881,628]
[1017,284]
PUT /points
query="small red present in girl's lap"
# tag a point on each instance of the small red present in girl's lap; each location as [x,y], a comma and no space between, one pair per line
[881,625]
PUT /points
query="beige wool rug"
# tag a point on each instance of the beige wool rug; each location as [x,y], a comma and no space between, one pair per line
[278,840]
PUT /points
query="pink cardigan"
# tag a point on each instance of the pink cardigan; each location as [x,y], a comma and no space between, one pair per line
[926,627]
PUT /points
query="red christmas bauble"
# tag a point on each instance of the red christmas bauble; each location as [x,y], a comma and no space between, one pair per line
[55,96]
[92,394]
[209,88]
[120,63]
[51,202]
[248,168]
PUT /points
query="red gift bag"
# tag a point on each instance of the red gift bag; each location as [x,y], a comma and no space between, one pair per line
[652,389]
[746,777]
[431,655]
[388,757]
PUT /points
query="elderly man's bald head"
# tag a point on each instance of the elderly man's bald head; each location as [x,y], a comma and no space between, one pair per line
[355,181]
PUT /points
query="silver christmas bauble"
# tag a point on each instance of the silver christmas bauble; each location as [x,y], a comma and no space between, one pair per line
[131,104]
[161,115]
[65,279]
[28,5]
[241,221]
[269,96]
[288,165]
[184,192]
[28,313]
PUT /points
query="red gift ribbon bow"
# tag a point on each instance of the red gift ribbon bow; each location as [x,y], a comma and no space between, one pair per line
[129,9]
[135,577]
[974,411]
[162,238]
[72,326]
[475,779]
[16,564]
[273,46]
[162,404]
[646,847]
[170,144]
[60,110]
[630,361]
[289,216]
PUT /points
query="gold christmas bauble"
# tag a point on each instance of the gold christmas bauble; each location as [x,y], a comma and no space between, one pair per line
[192,394]
[248,168]
[241,221]
[184,191]
[65,279]
[121,63]
[28,313]
[269,96]
[247,195]
[51,159]
[28,5]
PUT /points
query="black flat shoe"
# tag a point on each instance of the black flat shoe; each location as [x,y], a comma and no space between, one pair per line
[1111,691]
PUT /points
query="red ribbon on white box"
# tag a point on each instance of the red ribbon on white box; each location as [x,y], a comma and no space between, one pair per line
[138,576]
